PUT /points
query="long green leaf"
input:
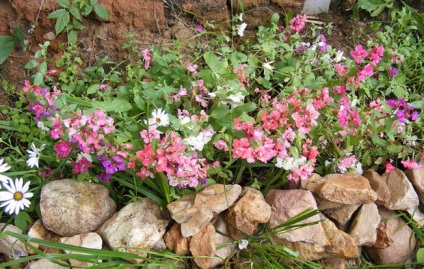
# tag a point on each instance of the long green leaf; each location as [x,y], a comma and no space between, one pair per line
[101,11]
[62,22]
[7,44]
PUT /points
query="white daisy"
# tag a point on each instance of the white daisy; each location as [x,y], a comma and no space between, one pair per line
[241,28]
[16,196]
[3,168]
[34,155]
[159,118]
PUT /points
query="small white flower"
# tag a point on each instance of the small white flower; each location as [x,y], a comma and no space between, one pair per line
[243,244]
[241,17]
[86,155]
[290,163]
[268,66]
[159,118]
[236,98]
[241,28]
[34,155]
[339,56]
[3,168]
[42,126]
[16,196]
[198,142]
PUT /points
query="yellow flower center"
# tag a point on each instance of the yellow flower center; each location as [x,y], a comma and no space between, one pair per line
[18,196]
[157,120]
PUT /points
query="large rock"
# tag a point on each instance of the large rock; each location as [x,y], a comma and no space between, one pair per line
[402,193]
[195,210]
[140,224]
[347,189]
[203,246]
[378,185]
[11,246]
[224,243]
[398,237]
[286,204]
[364,226]
[88,240]
[45,264]
[70,207]
[341,214]
[246,213]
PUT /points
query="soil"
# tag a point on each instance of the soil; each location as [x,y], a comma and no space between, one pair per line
[150,22]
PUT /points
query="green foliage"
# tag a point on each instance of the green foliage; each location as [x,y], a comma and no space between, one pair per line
[8,43]
[70,16]
[374,7]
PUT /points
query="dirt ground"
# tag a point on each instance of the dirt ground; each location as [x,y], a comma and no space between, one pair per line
[151,22]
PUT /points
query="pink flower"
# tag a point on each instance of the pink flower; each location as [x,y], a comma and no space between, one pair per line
[376,54]
[221,144]
[304,120]
[341,69]
[340,90]
[297,23]
[389,166]
[149,135]
[81,166]
[411,164]
[365,72]
[63,148]
[147,58]
[192,68]
[359,54]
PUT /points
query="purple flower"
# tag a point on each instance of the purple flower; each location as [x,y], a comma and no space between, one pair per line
[199,27]
[323,44]
[414,116]
[393,72]
[104,177]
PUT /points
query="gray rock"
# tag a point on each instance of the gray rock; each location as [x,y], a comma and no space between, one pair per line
[11,246]
[70,207]
[195,210]
[38,231]
[416,176]
[364,226]
[45,264]
[402,193]
[378,185]
[140,224]
[88,240]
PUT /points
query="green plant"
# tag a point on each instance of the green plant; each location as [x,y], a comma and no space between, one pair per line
[8,43]
[69,17]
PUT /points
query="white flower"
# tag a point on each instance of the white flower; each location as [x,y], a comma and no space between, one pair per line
[16,196]
[241,28]
[243,244]
[3,168]
[34,155]
[268,66]
[42,126]
[236,98]
[241,16]
[199,141]
[339,56]
[85,155]
[159,118]
[290,163]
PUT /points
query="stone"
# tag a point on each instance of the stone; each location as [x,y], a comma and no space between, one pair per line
[364,226]
[286,204]
[334,263]
[347,189]
[341,214]
[175,241]
[378,184]
[45,264]
[224,243]
[11,246]
[88,240]
[203,246]
[416,176]
[195,210]
[49,36]
[312,183]
[402,193]
[140,224]
[247,213]
[38,231]
[69,207]
[399,235]
[417,216]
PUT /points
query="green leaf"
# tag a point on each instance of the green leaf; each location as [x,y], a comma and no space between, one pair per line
[38,79]
[101,11]
[76,13]
[72,37]
[215,63]
[220,112]
[19,37]
[275,18]
[43,67]
[93,89]
[22,220]
[7,44]
[57,13]
[62,22]
[420,255]
[64,3]
[117,105]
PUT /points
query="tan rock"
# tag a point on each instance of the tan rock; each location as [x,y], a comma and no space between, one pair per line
[312,183]
[175,241]
[202,246]
[402,193]
[38,231]
[140,224]
[193,211]
[342,244]
[286,204]
[69,207]
[341,214]
[224,243]
[88,240]
[364,226]
[334,263]
[401,237]
[246,213]
[44,264]
[378,185]
[9,245]
[416,176]
[347,189]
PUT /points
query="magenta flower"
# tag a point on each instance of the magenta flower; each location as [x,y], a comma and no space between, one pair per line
[359,54]
[63,148]
[411,164]
[81,166]
[393,72]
